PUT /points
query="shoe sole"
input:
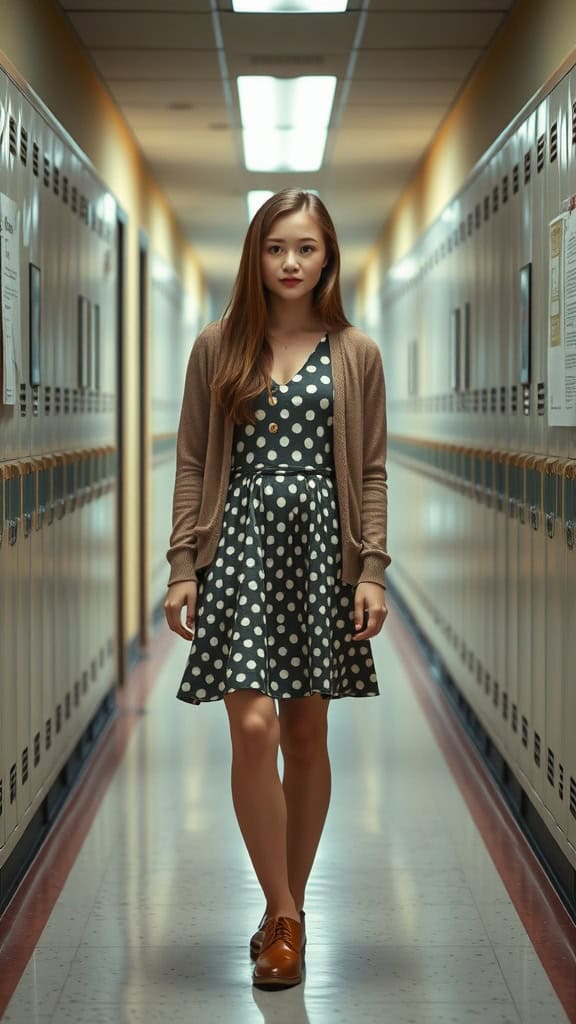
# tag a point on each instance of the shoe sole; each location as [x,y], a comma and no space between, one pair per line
[281,983]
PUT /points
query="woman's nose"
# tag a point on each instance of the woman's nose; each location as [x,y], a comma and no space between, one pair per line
[290,260]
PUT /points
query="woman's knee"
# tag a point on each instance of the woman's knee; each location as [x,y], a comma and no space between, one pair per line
[304,735]
[254,727]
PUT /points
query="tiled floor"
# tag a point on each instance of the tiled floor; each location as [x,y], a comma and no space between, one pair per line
[407,917]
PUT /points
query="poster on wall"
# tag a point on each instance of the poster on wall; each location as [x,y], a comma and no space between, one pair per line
[562,322]
[10,337]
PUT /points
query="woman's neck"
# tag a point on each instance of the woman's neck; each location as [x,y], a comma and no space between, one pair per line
[292,317]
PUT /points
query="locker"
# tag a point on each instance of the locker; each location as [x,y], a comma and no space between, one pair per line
[512,473]
[39,669]
[534,470]
[4,626]
[9,681]
[556,671]
[569,652]
[28,636]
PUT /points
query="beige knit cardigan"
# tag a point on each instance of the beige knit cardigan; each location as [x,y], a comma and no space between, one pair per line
[204,455]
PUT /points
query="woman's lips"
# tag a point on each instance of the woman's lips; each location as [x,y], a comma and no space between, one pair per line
[290,281]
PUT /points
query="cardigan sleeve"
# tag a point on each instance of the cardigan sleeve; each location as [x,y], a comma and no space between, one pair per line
[375,558]
[191,448]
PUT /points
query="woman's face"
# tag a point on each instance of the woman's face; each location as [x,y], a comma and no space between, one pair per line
[294,251]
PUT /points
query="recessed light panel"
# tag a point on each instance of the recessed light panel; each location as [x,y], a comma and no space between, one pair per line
[285,121]
[289,6]
[255,199]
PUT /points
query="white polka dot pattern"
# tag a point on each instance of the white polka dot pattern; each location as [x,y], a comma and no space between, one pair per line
[272,611]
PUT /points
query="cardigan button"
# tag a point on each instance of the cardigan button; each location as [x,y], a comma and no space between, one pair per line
[273,428]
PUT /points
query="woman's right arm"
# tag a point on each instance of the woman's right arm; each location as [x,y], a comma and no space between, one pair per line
[192,440]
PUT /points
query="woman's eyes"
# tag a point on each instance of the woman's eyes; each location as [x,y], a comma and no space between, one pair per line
[271,248]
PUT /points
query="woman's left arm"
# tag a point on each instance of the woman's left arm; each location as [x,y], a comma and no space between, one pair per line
[369,594]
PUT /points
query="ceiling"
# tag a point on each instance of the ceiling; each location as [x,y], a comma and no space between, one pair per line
[171,66]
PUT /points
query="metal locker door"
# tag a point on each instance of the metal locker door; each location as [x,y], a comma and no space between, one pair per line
[538,375]
[9,680]
[514,512]
[4,626]
[28,634]
[52,556]
[555,560]
[59,627]
[569,659]
[526,141]
[86,594]
[500,622]
[39,671]
[104,581]
[524,583]
[534,469]
[69,607]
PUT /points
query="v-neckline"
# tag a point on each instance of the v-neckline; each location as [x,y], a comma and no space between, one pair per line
[308,358]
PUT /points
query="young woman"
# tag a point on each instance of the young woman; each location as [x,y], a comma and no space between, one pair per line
[278,547]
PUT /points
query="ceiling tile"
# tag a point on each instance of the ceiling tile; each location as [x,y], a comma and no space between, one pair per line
[420,65]
[142,30]
[367,147]
[288,65]
[189,6]
[194,148]
[455,6]
[154,95]
[391,119]
[429,30]
[288,34]
[210,117]
[402,92]
[176,65]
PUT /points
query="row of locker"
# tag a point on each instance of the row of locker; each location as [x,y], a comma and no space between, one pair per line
[539,489]
[489,573]
[66,286]
[38,489]
[58,618]
[466,310]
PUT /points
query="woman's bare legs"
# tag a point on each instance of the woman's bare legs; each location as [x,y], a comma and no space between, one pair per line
[306,783]
[258,795]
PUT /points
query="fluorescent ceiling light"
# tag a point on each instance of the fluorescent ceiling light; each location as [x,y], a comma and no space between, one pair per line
[255,200]
[285,121]
[405,270]
[289,6]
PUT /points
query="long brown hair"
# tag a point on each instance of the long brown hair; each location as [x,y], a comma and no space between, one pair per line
[245,358]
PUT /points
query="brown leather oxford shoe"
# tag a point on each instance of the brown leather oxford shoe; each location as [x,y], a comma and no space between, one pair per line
[256,940]
[279,962]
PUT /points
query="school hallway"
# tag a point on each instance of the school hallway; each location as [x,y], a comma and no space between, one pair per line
[425,903]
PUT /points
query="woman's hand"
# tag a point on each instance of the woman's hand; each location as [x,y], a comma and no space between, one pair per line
[180,594]
[369,597]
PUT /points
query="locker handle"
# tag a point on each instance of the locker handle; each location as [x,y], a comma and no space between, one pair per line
[14,504]
[3,478]
[59,489]
[25,470]
[70,461]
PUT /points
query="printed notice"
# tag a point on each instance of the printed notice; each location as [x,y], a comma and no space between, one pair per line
[10,338]
[562,322]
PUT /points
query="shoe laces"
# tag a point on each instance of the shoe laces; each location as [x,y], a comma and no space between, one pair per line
[282,930]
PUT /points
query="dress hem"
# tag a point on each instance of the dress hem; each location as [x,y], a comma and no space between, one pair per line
[326,696]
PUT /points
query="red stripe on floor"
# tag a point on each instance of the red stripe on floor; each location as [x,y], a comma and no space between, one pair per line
[548,925]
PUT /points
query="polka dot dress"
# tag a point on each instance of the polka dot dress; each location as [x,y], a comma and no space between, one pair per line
[272,612]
